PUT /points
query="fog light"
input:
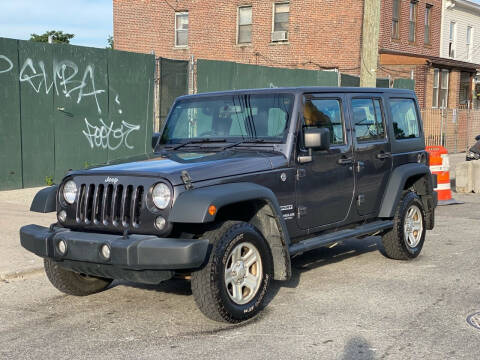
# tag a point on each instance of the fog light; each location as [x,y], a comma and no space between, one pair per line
[62,216]
[62,247]
[160,223]
[105,251]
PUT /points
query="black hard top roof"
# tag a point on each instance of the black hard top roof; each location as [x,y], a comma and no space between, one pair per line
[305,89]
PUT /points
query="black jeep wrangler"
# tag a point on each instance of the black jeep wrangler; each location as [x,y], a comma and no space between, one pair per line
[239,182]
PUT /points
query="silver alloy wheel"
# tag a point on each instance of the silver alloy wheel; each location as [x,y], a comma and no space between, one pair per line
[413,226]
[243,273]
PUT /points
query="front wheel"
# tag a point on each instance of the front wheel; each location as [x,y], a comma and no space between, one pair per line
[233,284]
[72,283]
[405,240]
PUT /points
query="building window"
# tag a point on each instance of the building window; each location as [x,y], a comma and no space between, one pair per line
[181,29]
[451,40]
[440,88]
[428,20]
[412,21]
[244,25]
[281,13]
[469,42]
[396,19]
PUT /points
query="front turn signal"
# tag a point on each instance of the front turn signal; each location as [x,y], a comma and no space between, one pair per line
[212,209]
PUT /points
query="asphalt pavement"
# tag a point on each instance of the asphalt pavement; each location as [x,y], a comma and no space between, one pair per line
[347,302]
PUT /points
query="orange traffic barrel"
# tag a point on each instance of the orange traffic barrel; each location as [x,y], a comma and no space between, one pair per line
[440,165]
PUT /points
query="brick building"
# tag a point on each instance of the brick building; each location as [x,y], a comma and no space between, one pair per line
[308,34]
[409,46]
[252,32]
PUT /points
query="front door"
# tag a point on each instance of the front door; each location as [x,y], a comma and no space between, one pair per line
[325,185]
[373,160]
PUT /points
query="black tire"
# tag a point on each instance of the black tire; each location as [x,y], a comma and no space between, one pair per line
[394,241]
[212,295]
[72,283]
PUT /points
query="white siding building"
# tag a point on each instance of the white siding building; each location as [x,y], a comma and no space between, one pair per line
[461,31]
[460,38]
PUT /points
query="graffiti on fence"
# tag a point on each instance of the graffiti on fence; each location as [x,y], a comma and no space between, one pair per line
[9,64]
[70,82]
[65,80]
[107,137]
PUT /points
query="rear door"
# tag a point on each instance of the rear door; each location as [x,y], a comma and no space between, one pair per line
[325,184]
[373,159]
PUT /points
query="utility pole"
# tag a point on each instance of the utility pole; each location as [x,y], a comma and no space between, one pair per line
[370,35]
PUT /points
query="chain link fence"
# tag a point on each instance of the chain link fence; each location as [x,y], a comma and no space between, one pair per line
[455,129]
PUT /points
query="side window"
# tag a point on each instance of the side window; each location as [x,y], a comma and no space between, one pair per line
[404,118]
[368,120]
[325,113]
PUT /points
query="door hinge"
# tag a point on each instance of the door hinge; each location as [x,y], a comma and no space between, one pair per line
[301,173]
[302,211]
[360,199]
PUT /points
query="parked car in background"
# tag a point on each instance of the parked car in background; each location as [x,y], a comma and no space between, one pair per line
[474,152]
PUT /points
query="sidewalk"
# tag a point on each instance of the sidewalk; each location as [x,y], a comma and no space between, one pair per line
[14,213]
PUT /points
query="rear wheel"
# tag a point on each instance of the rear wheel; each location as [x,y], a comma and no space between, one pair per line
[405,240]
[232,286]
[73,283]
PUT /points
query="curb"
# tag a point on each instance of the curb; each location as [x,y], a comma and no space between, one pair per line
[22,274]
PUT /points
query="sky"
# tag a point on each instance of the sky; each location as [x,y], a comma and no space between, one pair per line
[91,21]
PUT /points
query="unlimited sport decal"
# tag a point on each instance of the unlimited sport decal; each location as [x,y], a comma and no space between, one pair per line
[287,212]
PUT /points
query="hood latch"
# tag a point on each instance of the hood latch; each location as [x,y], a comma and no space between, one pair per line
[187,180]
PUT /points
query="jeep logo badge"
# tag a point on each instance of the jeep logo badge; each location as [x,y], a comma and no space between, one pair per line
[108,179]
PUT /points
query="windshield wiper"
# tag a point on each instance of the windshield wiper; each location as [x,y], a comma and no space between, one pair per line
[198,141]
[249,141]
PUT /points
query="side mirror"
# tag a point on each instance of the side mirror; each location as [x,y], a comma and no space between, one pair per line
[155,138]
[477,137]
[316,138]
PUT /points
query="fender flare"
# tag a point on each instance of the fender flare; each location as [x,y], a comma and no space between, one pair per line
[192,207]
[45,200]
[396,184]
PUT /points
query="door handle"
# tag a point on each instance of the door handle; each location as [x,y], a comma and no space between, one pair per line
[360,165]
[344,161]
[383,155]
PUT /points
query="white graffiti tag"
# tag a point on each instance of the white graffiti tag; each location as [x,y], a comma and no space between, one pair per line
[64,79]
[8,61]
[107,137]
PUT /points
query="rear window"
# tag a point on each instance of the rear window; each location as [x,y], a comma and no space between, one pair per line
[404,118]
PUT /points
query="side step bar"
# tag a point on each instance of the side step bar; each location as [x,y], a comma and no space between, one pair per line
[330,238]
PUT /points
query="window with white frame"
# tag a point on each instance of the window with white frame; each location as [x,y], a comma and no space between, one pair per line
[281,14]
[451,39]
[428,20]
[469,41]
[440,88]
[396,19]
[244,25]
[181,29]
[412,21]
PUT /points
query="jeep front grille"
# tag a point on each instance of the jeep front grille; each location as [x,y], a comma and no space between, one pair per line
[100,204]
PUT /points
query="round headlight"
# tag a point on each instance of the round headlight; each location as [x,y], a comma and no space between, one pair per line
[161,195]
[70,191]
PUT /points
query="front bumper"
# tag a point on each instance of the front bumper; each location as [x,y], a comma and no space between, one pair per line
[131,253]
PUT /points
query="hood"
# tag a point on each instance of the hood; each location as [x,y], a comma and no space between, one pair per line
[199,165]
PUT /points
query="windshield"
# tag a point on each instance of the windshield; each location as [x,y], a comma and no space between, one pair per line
[230,118]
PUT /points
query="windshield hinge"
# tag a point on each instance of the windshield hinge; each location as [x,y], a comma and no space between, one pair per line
[187,180]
